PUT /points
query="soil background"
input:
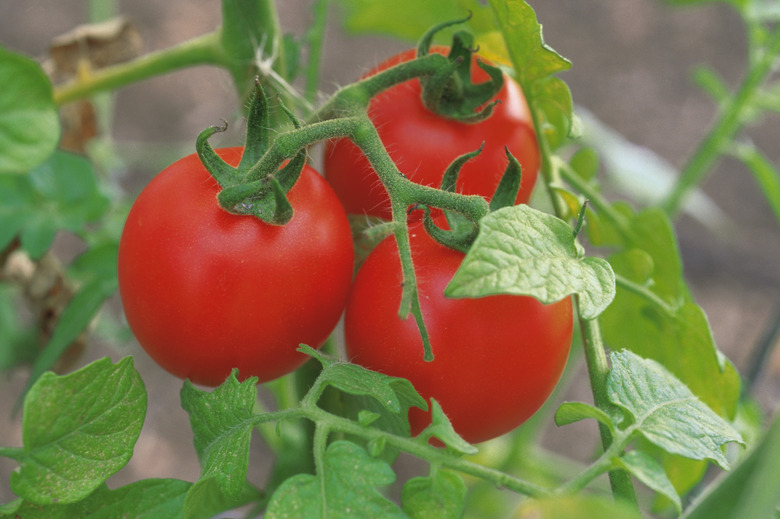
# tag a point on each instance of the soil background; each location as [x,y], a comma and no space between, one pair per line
[632,67]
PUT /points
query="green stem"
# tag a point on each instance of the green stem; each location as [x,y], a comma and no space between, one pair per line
[315,38]
[422,450]
[204,50]
[729,123]
[356,96]
[548,167]
[321,432]
[646,293]
[603,464]
[594,196]
[15,453]
[598,369]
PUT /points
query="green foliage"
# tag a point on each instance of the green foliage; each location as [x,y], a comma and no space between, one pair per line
[750,489]
[60,194]
[532,58]
[439,496]
[346,488]
[147,499]
[222,427]
[652,403]
[665,411]
[78,430]
[409,19]
[29,125]
[522,251]
[671,395]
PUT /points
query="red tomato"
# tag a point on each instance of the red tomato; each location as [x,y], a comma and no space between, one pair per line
[497,358]
[206,291]
[423,144]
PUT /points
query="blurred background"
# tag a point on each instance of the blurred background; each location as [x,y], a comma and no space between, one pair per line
[632,70]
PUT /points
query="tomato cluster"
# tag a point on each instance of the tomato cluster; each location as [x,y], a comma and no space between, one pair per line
[206,291]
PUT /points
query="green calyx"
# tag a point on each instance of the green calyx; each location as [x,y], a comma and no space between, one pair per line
[462,230]
[245,190]
[450,92]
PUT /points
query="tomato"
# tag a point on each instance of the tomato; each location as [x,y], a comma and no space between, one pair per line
[423,144]
[206,291]
[496,359]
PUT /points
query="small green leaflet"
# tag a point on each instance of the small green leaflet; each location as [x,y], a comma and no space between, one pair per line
[346,488]
[29,123]
[665,411]
[222,427]
[531,57]
[647,470]
[78,430]
[522,251]
[440,496]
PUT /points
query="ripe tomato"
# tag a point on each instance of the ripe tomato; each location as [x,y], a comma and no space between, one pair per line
[497,358]
[206,291]
[423,144]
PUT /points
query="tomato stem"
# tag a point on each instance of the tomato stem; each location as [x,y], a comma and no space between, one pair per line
[203,50]
[326,422]
[598,369]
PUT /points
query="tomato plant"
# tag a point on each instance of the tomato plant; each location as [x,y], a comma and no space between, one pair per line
[496,359]
[206,291]
[423,144]
[245,270]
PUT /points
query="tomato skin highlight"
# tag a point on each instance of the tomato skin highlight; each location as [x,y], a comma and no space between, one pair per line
[206,291]
[423,144]
[496,359]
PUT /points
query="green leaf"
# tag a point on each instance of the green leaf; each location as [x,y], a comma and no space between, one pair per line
[29,124]
[531,57]
[674,332]
[442,429]
[643,467]
[78,430]
[665,411]
[146,499]
[552,98]
[522,251]
[393,393]
[750,489]
[410,19]
[346,488]
[205,499]
[61,193]
[571,412]
[222,427]
[580,506]
[441,496]
[365,391]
